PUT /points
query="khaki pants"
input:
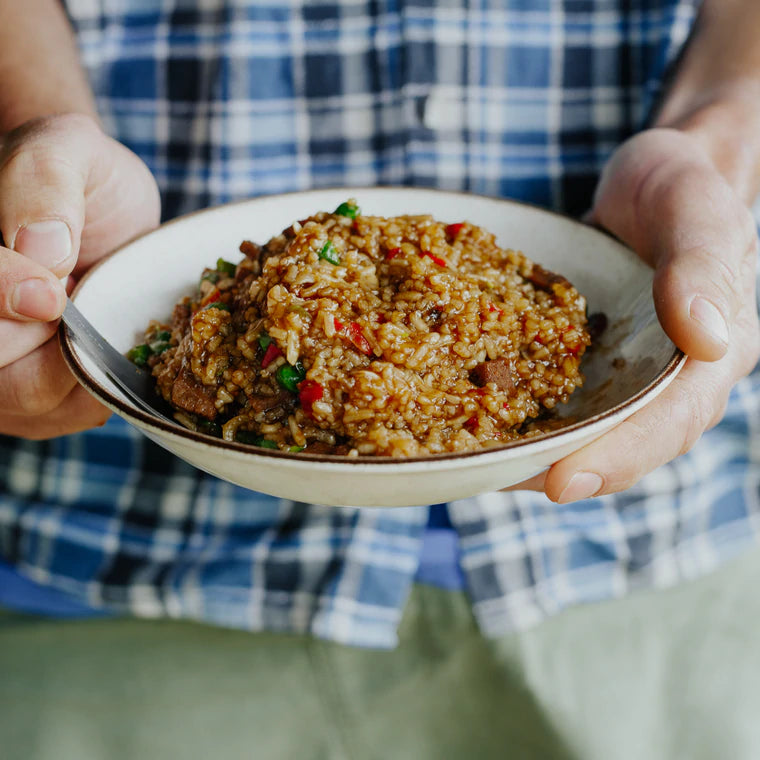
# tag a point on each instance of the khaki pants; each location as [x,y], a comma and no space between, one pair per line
[658,676]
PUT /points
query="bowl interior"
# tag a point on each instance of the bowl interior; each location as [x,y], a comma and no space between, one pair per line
[146,278]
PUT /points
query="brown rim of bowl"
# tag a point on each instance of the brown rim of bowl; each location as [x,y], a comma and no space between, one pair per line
[671,367]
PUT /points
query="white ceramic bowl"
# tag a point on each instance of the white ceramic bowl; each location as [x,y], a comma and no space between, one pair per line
[633,363]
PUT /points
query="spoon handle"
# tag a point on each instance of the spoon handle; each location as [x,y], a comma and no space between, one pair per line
[134,381]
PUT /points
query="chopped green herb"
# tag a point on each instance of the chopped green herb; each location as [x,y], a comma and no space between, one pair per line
[252,439]
[289,376]
[264,340]
[298,309]
[217,305]
[349,209]
[226,267]
[296,449]
[159,346]
[211,276]
[330,253]
[210,428]
[161,341]
[139,355]
[265,443]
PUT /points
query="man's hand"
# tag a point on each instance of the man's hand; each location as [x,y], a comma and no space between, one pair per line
[662,195]
[68,195]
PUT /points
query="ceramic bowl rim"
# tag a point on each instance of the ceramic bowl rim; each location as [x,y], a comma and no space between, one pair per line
[540,442]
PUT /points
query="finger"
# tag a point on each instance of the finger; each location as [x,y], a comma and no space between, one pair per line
[122,203]
[77,412]
[44,171]
[28,291]
[17,339]
[536,483]
[37,383]
[656,434]
[666,200]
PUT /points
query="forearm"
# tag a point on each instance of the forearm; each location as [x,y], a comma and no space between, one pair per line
[40,73]
[715,93]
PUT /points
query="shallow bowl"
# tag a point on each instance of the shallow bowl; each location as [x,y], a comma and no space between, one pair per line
[632,362]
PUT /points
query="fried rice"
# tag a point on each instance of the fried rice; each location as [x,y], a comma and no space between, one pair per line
[361,335]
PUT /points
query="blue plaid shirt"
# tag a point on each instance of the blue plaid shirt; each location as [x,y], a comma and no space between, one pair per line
[520,98]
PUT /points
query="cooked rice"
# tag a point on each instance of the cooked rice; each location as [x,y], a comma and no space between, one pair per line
[392,336]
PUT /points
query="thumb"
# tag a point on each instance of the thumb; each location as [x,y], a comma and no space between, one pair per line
[27,290]
[44,168]
[665,199]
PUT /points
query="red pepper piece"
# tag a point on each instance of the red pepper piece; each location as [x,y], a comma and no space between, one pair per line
[435,259]
[213,295]
[471,424]
[392,253]
[454,229]
[356,336]
[493,308]
[309,391]
[272,352]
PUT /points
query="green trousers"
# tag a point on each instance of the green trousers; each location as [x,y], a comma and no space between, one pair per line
[659,676]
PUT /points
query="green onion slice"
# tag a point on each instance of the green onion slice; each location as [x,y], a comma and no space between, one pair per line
[349,209]
[330,253]
[226,267]
[139,355]
[289,376]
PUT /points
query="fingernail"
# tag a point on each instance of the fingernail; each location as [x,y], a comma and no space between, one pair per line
[36,299]
[583,485]
[711,320]
[48,243]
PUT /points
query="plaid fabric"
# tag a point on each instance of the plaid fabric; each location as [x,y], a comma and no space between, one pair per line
[524,98]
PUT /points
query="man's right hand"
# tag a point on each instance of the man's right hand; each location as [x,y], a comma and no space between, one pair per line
[69,194]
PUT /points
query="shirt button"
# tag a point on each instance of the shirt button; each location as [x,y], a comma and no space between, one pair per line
[442,110]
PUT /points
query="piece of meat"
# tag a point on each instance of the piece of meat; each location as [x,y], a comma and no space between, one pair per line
[322,447]
[543,279]
[250,249]
[192,396]
[258,404]
[496,371]
[181,320]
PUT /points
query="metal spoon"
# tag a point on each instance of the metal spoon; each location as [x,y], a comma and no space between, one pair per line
[134,381]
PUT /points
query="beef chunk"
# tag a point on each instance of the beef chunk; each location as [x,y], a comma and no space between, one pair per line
[251,250]
[322,447]
[192,396]
[181,320]
[543,279]
[497,371]
[283,399]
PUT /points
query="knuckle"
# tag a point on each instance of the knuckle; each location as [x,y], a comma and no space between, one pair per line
[689,419]
[45,147]
[36,163]
[32,396]
[44,127]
